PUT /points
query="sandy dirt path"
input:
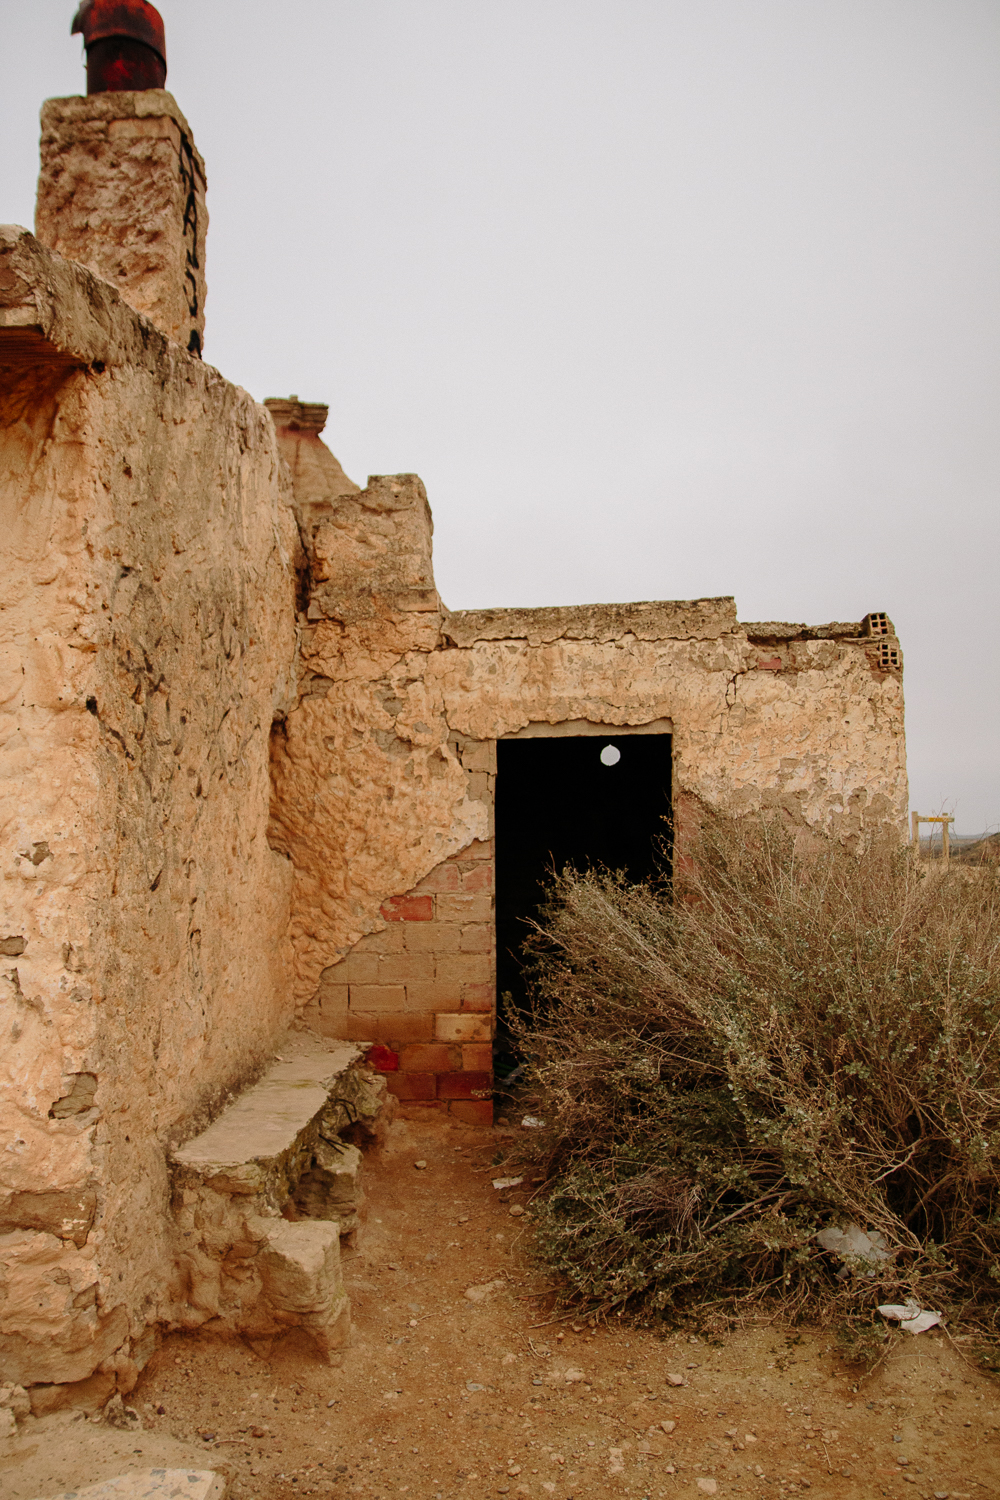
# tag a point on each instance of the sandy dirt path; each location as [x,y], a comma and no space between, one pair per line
[441,1396]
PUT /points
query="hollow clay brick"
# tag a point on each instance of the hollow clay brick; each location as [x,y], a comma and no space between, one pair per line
[332,999]
[435,937]
[478,997]
[360,968]
[378,997]
[360,1027]
[401,968]
[476,907]
[462,1028]
[389,940]
[433,995]
[435,1058]
[465,968]
[327,1021]
[412,1085]
[393,1028]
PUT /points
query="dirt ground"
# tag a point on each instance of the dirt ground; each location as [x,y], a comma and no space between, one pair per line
[442,1396]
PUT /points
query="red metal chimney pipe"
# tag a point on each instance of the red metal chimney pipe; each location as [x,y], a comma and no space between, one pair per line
[126,46]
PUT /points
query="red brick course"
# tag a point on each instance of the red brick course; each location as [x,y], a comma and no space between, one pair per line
[408,909]
[424,987]
[433,1058]
[412,1085]
[445,878]
[382,1058]
[464,1085]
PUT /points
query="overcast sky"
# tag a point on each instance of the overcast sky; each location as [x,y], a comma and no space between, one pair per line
[661,298]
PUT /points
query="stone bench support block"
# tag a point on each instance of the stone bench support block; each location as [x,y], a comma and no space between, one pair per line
[263,1197]
[256,1145]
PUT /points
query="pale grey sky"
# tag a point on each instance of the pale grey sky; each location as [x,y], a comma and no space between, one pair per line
[660,299]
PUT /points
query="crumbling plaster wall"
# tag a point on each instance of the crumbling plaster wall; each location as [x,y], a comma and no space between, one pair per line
[147,632]
[377,780]
[814,726]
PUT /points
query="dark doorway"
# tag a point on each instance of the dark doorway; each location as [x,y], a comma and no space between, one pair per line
[576,800]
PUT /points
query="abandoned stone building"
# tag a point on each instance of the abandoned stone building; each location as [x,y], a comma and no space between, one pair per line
[265,803]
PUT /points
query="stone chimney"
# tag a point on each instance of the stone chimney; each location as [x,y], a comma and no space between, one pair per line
[122,190]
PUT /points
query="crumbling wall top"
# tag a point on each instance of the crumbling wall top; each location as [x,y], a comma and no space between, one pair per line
[65,306]
[650,620]
[128,104]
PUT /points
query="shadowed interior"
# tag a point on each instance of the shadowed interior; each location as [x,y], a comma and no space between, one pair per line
[557,804]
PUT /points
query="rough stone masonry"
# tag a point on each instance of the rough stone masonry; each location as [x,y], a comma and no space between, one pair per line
[247,771]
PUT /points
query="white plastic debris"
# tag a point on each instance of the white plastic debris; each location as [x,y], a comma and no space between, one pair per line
[507,1182]
[532,1122]
[859,1251]
[910,1315]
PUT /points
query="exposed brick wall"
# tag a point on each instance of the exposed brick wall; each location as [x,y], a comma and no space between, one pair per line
[425,987]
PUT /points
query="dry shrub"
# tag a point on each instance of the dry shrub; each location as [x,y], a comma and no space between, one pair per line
[783,1042]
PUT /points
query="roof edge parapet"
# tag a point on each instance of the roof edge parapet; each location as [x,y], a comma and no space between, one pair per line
[649,620]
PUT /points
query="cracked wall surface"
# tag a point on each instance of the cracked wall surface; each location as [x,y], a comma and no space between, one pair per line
[248,758]
[147,631]
[382,770]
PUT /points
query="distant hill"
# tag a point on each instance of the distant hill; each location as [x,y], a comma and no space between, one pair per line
[966,848]
[974,849]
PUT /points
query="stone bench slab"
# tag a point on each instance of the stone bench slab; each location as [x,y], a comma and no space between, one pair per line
[250,1144]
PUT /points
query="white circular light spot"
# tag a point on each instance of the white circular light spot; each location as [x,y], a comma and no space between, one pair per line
[610,755]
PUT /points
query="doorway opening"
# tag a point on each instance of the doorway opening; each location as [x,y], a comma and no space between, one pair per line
[597,798]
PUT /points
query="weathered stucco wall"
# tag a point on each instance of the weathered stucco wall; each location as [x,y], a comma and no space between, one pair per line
[813,724]
[382,771]
[247,758]
[147,630]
